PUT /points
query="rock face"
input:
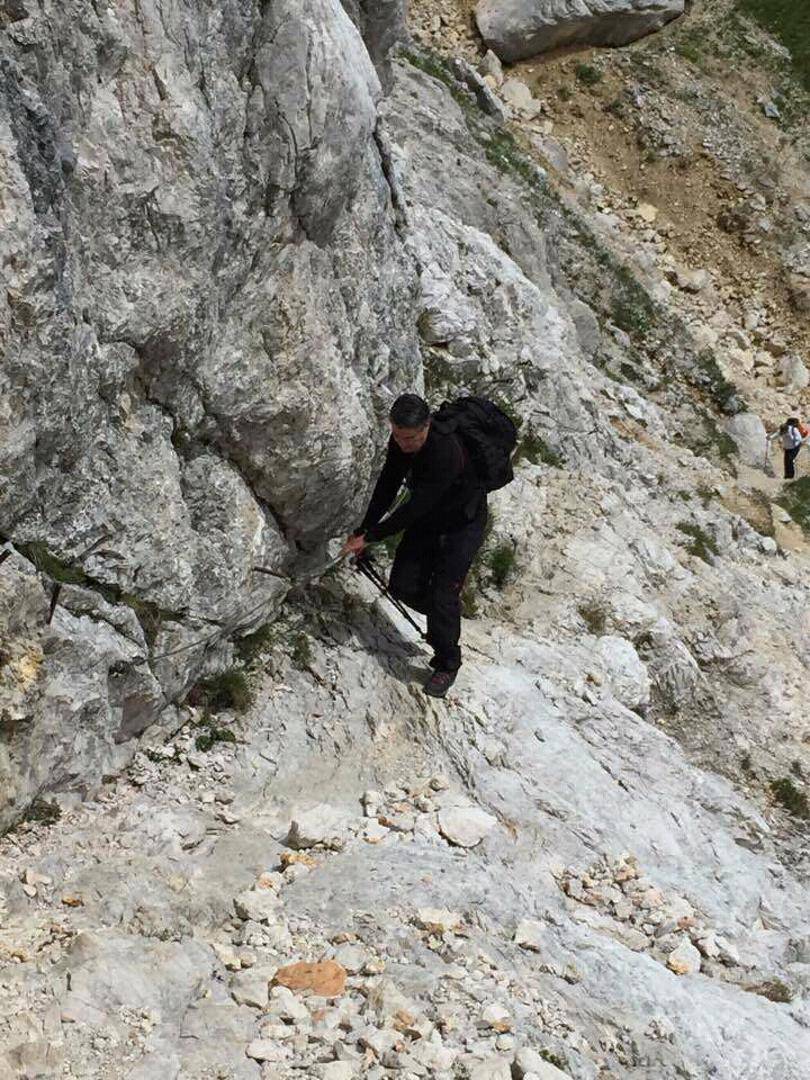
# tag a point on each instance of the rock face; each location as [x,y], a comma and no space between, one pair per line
[516,29]
[202,276]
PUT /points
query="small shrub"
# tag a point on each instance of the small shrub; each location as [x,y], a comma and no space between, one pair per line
[469,598]
[594,614]
[211,734]
[301,654]
[631,316]
[565,93]
[773,990]
[535,449]
[793,800]
[788,21]
[724,394]
[587,74]
[796,500]
[228,690]
[50,565]
[689,51]
[501,562]
[43,812]
[148,615]
[252,646]
[703,545]
[554,1059]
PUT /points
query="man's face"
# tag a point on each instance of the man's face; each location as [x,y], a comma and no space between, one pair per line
[410,440]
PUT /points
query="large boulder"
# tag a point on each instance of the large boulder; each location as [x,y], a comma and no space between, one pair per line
[748,432]
[516,29]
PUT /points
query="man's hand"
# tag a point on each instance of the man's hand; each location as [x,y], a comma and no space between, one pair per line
[355,545]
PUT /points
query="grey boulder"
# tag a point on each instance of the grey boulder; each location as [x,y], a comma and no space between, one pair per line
[516,29]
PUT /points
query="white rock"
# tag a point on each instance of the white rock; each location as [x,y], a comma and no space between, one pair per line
[519,97]
[351,957]
[530,935]
[748,432]
[496,1017]
[494,1068]
[250,988]
[647,212]
[528,1063]
[793,375]
[491,66]
[685,959]
[265,1050]
[626,674]
[438,920]
[465,826]
[692,280]
[336,1070]
[257,905]
[320,824]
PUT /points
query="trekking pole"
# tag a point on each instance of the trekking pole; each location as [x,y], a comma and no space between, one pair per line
[365,567]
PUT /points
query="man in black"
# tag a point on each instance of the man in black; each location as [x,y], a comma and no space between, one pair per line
[443,523]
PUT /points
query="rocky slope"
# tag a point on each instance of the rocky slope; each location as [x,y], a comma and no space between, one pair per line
[579,863]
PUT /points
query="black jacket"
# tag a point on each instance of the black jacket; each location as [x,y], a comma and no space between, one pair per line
[445,492]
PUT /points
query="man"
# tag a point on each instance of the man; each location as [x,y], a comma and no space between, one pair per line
[443,523]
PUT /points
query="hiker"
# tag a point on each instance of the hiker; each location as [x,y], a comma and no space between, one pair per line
[792,440]
[442,523]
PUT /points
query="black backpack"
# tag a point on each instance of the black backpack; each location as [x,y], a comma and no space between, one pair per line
[488,435]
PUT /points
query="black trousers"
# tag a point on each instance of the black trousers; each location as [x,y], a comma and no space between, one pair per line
[428,575]
[790,462]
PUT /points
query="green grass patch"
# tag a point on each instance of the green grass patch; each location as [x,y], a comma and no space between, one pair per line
[252,646]
[594,614]
[796,500]
[228,690]
[587,74]
[49,564]
[724,394]
[788,795]
[789,22]
[43,812]
[773,990]
[211,734]
[535,449]
[501,562]
[702,544]
[433,65]
[301,653]
[714,442]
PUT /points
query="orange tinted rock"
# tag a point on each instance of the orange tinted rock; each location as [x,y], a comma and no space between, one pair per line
[326,979]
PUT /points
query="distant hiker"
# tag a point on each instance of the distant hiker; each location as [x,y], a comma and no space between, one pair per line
[442,521]
[792,439]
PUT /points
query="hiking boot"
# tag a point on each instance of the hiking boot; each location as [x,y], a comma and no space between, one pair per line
[439,683]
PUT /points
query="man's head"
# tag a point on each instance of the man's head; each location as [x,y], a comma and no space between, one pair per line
[410,422]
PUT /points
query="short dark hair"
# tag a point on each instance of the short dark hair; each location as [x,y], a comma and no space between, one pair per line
[409,411]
